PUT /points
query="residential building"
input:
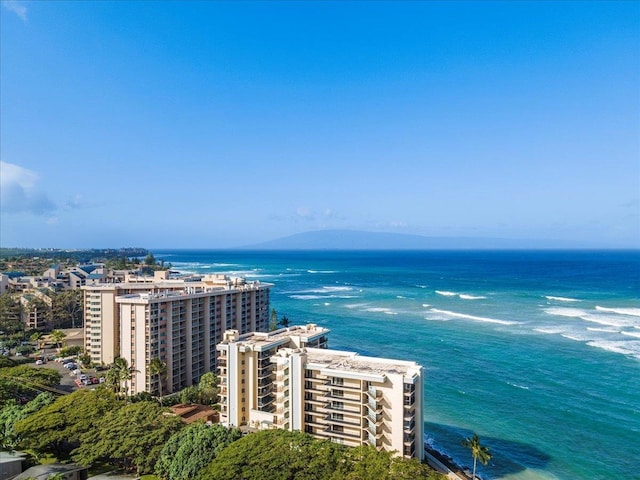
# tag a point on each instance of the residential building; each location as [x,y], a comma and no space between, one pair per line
[36,310]
[177,321]
[283,380]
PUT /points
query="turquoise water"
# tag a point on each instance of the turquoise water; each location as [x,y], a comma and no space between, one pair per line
[536,352]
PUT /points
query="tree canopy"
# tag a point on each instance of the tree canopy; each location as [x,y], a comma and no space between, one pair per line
[23,381]
[57,428]
[284,455]
[131,437]
[192,449]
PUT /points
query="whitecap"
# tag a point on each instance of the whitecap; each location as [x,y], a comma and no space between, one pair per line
[400,296]
[326,304]
[550,331]
[306,297]
[634,312]
[561,299]
[594,317]
[421,286]
[445,293]
[473,317]
[337,289]
[630,334]
[377,309]
[577,338]
[471,297]
[606,330]
[630,348]
[522,387]
[566,312]
[426,305]
[317,297]
[321,271]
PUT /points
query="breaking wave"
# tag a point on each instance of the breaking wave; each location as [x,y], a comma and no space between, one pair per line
[473,317]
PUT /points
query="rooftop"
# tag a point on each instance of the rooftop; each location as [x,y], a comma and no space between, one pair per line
[351,361]
[259,340]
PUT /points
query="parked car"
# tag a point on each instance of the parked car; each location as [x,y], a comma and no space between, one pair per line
[83,376]
[77,371]
[95,380]
[71,366]
[39,362]
[101,380]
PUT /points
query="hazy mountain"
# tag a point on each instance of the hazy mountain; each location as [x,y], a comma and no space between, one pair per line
[360,240]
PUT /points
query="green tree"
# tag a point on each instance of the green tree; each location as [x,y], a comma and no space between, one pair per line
[58,337]
[36,337]
[71,351]
[131,437]
[57,428]
[193,448]
[150,260]
[273,323]
[10,314]
[478,452]
[12,412]
[158,368]
[119,375]
[67,308]
[275,455]
[24,380]
[208,389]
[284,321]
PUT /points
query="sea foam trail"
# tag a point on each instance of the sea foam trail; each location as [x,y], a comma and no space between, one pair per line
[634,312]
[561,299]
[615,320]
[473,317]
[446,294]
[471,297]
[630,348]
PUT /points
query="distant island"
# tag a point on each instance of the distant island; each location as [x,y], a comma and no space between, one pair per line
[363,240]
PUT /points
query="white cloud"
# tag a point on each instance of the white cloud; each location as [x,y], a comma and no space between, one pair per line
[16,7]
[304,212]
[18,192]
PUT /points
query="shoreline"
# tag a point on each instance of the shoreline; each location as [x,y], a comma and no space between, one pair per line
[445,464]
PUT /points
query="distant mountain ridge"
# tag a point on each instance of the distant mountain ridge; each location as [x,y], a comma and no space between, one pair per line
[362,240]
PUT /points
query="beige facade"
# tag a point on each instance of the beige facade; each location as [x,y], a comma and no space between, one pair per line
[281,380]
[176,321]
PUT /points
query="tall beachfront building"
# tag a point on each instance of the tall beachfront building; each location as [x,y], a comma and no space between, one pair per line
[177,321]
[288,379]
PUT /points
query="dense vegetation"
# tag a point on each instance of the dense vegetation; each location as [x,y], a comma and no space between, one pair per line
[98,427]
[280,454]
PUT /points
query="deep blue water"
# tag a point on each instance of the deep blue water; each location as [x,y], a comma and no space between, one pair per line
[536,352]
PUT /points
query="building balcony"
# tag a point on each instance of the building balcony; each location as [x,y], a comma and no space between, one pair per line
[350,421]
[374,394]
[329,432]
[408,427]
[341,409]
[343,398]
[374,432]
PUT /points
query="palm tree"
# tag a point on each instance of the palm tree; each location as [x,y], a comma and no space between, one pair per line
[120,372]
[478,451]
[36,337]
[58,336]
[159,368]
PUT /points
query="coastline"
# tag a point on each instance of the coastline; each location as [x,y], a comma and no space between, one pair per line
[445,465]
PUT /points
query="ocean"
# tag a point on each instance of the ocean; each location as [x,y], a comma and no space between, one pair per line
[538,352]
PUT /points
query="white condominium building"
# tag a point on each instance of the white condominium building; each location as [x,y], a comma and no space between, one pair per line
[280,380]
[176,321]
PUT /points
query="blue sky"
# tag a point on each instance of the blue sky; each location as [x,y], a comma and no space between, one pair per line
[214,124]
